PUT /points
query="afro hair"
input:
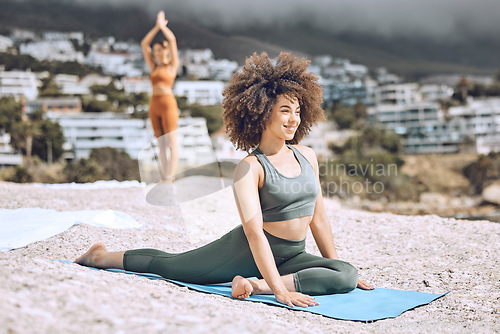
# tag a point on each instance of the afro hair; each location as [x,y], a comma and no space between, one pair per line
[252,93]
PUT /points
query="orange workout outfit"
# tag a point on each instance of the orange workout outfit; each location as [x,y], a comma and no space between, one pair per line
[163,110]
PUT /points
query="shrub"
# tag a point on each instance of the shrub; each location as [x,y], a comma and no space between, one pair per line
[21,175]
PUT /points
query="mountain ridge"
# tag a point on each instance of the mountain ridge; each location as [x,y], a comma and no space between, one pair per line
[411,58]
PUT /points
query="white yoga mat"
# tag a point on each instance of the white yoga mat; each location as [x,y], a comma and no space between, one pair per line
[20,227]
[102,184]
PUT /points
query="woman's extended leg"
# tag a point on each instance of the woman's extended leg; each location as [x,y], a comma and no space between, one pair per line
[217,262]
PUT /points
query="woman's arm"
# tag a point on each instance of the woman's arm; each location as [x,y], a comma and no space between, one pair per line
[320,225]
[146,47]
[246,181]
[161,22]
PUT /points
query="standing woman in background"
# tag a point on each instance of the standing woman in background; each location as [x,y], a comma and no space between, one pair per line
[163,61]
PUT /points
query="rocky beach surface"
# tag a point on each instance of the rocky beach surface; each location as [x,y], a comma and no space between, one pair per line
[420,253]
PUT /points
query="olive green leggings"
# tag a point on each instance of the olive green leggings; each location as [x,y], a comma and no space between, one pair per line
[224,258]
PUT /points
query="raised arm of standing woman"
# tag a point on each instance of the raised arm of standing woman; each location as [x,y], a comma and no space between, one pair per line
[146,47]
[161,22]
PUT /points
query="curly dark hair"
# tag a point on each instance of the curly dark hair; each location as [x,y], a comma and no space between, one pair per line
[252,93]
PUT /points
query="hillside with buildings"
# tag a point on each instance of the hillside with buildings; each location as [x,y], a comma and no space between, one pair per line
[97,91]
[411,57]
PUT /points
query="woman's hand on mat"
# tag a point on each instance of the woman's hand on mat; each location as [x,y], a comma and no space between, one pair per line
[364,285]
[292,298]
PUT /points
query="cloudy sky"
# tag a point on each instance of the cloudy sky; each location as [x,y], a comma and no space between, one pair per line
[435,19]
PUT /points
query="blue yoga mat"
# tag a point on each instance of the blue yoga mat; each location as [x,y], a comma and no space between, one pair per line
[357,305]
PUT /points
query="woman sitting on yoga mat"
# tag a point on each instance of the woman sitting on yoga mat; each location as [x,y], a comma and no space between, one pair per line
[269,107]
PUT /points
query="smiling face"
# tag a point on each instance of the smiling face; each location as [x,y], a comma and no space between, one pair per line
[160,53]
[285,117]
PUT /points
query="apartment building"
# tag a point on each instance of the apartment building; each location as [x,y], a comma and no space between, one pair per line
[427,128]
[86,131]
[201,92]
[54,104]
[401,94]
[52,50]
[7,155]
[18,84]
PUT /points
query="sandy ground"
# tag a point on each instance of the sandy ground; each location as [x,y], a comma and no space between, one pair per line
[421,253]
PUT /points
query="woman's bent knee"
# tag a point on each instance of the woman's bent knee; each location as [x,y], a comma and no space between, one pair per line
[326,281]
[349,279]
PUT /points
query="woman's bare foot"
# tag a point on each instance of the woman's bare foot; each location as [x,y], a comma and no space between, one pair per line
[241,287]
[90,258]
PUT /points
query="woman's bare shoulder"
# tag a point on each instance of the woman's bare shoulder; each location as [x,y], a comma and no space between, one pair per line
[307,152]
[250,163]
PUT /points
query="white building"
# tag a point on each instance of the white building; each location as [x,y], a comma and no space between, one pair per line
[322,60]
[54,104]
[429,129]
[197,64]
[59,36]
[73,85]
[86,131]
[482,122]
[135,85]
[198,71]
[18,84]
[195,146]
[121,63]
[383,77]
[222,69]
[202,92]
[7,155]
[196,56]
[5,43]
[435,92]
[70,84]
[52,50]
[401,94]
[22,34]
[95,79]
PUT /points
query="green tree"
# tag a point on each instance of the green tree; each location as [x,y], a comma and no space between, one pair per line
[213,115]
[21,136]
[117,97]
[94,105]
[462,90]
[115,165]
[25,62]
[82,171]
[484,170]
[182,102]
[10,113]
[371,158]
[348,117]
[50,88]
[140,102]
[48,141]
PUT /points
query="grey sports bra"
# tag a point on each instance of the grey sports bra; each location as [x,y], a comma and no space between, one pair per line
[282,197]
